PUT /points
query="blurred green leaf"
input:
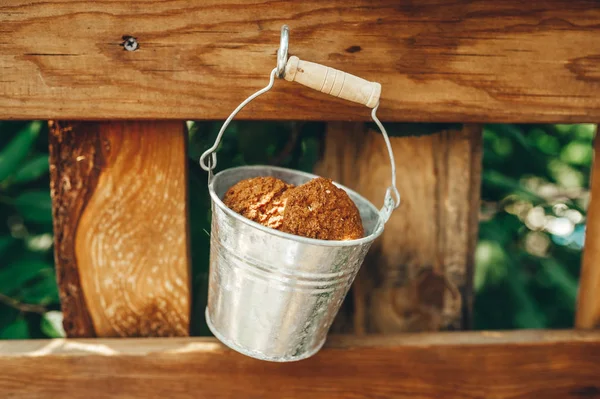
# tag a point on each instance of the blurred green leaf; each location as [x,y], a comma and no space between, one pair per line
[562,129]
[503,146]
[512,132]
[527,313]
[565,175]
[5,243]
[559,276]
[585,131]
[43,292]
[35,206]
[577,153]
[258,142]
[51,324]
[8,314]
[15,275]
[17,330]
[499,180]
[16,150]
[491,261]
[31,170]
[310,154]
[501,229]
[545,142]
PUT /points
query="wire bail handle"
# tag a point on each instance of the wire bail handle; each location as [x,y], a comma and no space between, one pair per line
[327,80]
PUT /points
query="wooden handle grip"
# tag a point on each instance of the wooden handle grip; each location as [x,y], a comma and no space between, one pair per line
[332,81]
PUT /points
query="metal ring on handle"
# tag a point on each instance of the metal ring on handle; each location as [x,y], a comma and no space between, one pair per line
[282,52]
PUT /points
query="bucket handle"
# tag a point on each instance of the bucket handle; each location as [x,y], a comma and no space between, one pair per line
[327,80]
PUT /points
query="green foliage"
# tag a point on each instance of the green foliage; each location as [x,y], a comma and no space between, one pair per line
[534,192]
[35,206]
[28,290]
[17,149]
[32,169]
[18,329]
[14,276]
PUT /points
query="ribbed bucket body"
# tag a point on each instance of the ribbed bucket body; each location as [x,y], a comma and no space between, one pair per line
[272,295]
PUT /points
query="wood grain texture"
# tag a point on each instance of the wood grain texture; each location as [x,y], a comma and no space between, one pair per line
[588,301]
[515,365]
[418,274]
[467,61]
[120,217]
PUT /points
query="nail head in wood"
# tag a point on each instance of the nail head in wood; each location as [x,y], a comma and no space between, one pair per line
[130,43]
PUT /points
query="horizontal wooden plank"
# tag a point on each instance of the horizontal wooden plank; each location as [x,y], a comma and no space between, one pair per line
[518,364]
[469,61]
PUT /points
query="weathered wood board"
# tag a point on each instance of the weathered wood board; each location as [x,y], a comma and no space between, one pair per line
[463,61]
[588,302]
[418,275]
[514,365]
[119,194]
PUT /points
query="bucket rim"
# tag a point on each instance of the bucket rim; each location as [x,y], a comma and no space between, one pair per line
[305,240]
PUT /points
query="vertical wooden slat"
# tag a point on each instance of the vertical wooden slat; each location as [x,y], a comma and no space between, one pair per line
[418,275]
[119,195]
[588,302]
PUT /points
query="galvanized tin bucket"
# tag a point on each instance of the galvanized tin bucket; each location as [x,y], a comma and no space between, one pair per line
[273,295]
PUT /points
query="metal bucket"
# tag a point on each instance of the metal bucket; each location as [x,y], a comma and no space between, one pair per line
[273,295]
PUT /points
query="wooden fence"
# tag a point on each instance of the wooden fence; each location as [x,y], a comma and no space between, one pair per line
[120,200]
